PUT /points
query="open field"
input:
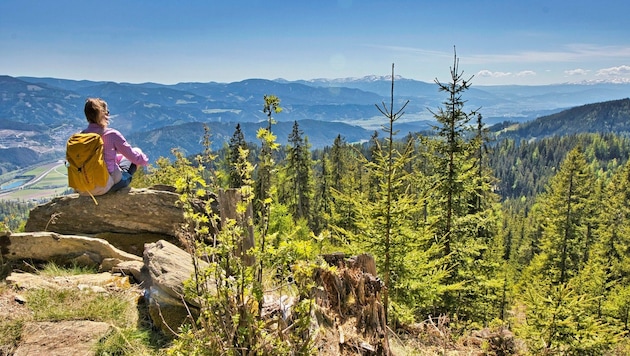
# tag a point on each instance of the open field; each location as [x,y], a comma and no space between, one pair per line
[47,181]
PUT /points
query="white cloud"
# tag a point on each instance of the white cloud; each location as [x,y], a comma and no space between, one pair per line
[486,73]
[577,71]
[622,70]
[526,73]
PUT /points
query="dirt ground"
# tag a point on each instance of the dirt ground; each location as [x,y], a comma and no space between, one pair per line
[12,305]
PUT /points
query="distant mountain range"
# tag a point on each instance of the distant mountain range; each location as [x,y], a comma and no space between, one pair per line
[38,114]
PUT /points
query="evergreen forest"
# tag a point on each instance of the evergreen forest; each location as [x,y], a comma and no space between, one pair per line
[487,231]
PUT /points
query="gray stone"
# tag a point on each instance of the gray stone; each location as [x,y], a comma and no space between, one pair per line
[37,281]
[168,268]
[49,246]
[132,211]
[131,268]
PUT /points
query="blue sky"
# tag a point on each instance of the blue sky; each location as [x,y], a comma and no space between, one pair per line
[525,42]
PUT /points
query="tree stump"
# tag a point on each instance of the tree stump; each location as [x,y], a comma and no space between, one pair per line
[353,296]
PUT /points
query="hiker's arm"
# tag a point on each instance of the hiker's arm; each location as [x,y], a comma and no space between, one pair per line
[134,155]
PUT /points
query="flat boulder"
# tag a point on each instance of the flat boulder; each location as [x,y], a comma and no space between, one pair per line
[62,249]
[129,211]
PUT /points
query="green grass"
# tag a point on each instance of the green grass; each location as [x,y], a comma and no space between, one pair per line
[53,270]
[130,341]
[10,332]
[74,304]
[11,327]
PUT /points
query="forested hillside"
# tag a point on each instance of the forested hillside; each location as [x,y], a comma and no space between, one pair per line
[523,167]
[605,117]
[37,115]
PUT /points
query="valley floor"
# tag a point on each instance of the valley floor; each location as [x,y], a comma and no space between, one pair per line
[47,181]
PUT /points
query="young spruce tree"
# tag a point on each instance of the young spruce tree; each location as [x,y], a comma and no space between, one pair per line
[462,209]
[385,223]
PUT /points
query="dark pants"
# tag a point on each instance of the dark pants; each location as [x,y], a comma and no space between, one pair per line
[128,169]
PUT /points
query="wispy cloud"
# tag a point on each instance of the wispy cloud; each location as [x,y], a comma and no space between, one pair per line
[526,73]
[577,72]
[568,53]
[490,74]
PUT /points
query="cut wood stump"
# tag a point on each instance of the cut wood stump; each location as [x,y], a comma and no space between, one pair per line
[349,299]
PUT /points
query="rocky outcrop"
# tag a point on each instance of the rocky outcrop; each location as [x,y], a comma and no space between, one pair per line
[99,282]
[130,211]
[70,337]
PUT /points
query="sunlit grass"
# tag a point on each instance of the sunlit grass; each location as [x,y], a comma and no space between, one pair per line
[118,309]
[130,341]
[10,331]
[10,327]
[74,304]
[53,270]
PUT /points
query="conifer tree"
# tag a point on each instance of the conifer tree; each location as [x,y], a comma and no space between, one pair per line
[386,224]
[338,162]
[343,174]
[462,206]
[453,151]
[612,250]
[323,196]
[236,144]
[299,182]
[373,185]
[564,284]
[614,228]
[566,207]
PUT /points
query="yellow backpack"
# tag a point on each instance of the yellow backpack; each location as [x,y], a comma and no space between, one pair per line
[86,167]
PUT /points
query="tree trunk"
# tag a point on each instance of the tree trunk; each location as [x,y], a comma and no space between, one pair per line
[228,201]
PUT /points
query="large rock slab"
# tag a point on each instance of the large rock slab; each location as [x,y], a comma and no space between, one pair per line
[129,211]
[62,249]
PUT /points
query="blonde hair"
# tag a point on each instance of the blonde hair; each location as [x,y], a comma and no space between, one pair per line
[94,108]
